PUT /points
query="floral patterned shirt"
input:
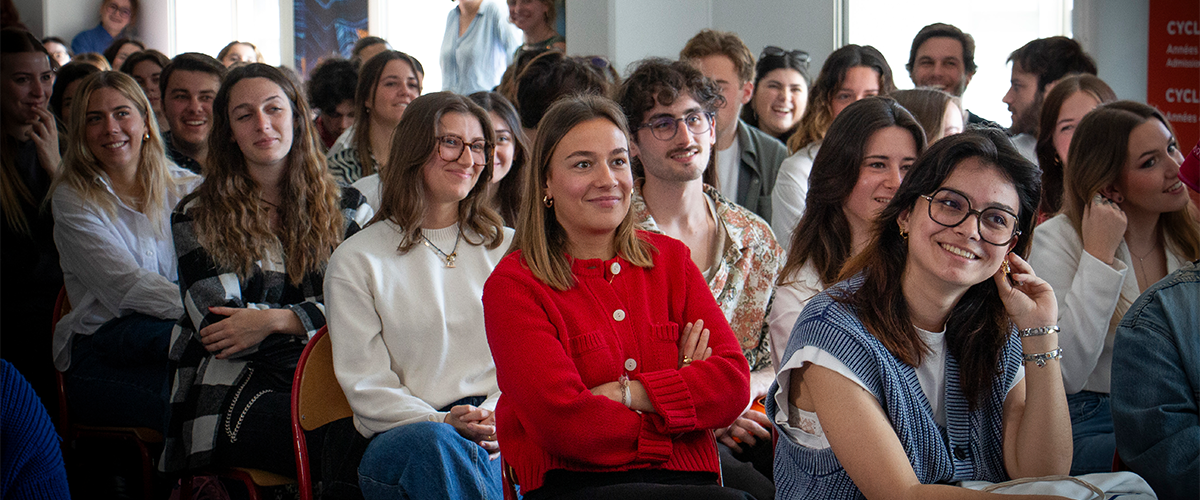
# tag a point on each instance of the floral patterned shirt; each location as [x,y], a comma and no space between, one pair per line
[744,281]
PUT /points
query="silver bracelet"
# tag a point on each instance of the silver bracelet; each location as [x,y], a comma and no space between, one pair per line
[1039,331]
[1042,357]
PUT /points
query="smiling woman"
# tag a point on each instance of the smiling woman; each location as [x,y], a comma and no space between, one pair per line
[387,83]
[405,311]
[117,258]
[252,244]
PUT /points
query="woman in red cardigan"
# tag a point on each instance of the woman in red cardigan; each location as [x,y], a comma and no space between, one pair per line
[613,360]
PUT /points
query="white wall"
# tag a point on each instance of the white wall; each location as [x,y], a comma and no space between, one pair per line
[1114,32]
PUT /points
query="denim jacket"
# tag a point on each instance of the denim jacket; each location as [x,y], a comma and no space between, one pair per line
[1156,384]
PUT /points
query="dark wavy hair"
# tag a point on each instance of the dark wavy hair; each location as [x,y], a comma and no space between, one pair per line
[506,194]
[233,225]
[68,74]
[819,112]
[823,233]
[655,81]
[110,53]
[978,326]
[333,82]
[548,77]
[1052,58]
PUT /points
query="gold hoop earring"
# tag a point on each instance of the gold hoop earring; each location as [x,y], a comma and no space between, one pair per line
[548,201]
[904,234]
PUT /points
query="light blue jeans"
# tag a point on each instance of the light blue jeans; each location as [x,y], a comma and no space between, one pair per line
[427,460]
[1092,432]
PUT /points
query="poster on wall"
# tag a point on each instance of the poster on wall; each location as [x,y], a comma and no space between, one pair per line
[1173,75]
[327,28]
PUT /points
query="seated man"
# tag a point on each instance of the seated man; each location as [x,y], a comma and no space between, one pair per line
[1155,376]
[671,110]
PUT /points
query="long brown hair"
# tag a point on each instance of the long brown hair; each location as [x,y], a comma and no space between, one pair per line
[823,233]
[1048,160]
[978,326]
[231,222]
[819,112]
[81,168]
[540,238]
[13,191]
[368,81]
[402,183]
[1099,152]
[505,195]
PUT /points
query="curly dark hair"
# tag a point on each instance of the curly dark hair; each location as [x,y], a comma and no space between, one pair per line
[656,81]
[333,82]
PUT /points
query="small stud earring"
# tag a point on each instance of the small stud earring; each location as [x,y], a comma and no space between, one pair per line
[548,201]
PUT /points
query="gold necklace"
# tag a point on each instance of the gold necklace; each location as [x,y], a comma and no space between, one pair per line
[1141,260]
[449,258]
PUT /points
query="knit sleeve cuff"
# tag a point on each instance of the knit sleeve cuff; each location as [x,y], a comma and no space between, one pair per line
[653,446]
[671,398]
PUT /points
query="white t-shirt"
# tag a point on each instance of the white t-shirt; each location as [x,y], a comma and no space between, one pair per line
[728,163]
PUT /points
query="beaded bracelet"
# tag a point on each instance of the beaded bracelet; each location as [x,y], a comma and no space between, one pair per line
[1042,357]
[1039,331]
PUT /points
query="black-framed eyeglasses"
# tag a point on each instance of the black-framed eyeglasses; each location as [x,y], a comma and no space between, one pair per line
[773,51]
[664,128]
[950,208]
[451,147]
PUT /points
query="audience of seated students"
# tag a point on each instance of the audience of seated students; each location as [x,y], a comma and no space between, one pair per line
[112,205]
[115,17]
[1072,98]
[188,85]
[536,19]
[252,243]
[331,95]
[146,69]
[1125,225]
[93,58]
[406,314]
[942,56]
[614,359]
[66,80]
[747,159]
[511,156]
[940,114]
[1154,375]
[239,52]
[386,85]
[58,50]
[849,74]
[878,141]
[909,373]
[1036,67]
[120,50]
[29,160]
[672,106]
[780,93]
[366,48]
[478,45]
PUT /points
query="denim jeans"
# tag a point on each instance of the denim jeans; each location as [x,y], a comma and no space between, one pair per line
[1092,432]
[427,460]
[118,375]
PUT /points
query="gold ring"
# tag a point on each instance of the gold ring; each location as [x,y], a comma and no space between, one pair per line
[687,360]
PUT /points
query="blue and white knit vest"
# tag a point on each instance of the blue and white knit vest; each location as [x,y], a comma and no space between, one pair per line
[968,449]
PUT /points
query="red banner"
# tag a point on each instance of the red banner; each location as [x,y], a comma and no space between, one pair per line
[1173,73]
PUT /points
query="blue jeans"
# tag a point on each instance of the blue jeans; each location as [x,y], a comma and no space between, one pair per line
[118,375]
[427,460]
[1092,432]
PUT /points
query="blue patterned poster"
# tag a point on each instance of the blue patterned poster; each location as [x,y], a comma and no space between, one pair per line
[327,28]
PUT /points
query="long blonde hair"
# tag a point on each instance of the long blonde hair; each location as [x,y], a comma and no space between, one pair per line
[402,183]
[1099,150]
[540,238]
[231,222]
[81,168]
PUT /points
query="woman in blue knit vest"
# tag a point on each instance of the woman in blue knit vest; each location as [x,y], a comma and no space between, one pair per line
[931,363]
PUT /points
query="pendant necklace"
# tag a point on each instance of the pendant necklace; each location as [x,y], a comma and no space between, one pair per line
[449,258]
[1141,264]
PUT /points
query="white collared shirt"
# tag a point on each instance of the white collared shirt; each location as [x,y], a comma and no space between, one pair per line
[114,263]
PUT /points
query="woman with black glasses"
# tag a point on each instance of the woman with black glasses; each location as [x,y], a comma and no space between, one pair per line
[909,374]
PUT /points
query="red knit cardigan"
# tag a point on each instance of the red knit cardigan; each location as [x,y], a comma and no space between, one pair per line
[551,346]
